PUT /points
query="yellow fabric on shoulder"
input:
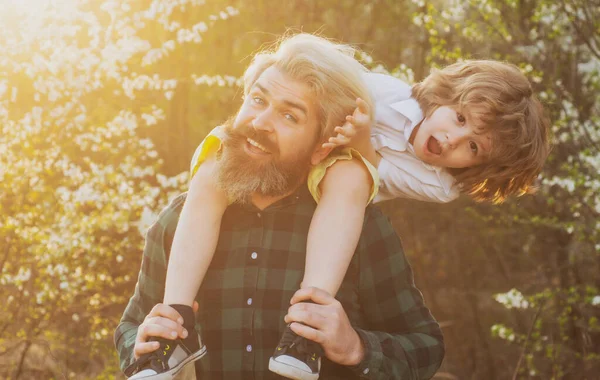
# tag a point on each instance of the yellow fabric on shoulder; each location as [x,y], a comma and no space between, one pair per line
[209,146]
[317,173]
[213,141]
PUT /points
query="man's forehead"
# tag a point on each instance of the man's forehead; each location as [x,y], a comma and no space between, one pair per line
[280,86]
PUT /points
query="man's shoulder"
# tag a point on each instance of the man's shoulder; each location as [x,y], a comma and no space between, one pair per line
[373,213]
[169,216]
[380,248]
[377,225]
[177,203]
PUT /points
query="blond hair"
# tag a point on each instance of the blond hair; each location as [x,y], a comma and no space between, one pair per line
[328,68]
[495,97]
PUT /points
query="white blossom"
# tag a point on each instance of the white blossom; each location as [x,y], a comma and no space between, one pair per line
[512,299]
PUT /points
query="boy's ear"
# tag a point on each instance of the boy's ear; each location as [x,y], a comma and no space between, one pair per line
[319,154]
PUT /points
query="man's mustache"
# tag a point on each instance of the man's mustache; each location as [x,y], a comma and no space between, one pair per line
[241,133]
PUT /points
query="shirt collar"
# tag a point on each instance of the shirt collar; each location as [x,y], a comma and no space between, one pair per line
[410,109]
[445,178]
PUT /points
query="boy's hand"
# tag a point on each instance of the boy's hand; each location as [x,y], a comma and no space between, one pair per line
[359,122]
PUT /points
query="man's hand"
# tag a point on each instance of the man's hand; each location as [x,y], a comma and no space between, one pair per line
[163,321]
[357,124]
[326,323]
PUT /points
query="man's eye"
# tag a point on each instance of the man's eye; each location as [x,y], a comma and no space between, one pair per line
[460,117]
[290,117]
[258,100]
[474,147]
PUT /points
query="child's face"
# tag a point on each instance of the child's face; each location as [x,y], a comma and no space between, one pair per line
[448,139]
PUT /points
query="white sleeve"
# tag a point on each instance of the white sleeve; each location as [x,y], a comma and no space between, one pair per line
[387,89]
[398,183]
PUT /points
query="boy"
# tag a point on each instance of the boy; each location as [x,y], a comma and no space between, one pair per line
[473,127]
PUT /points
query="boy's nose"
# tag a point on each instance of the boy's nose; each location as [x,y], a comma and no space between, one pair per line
[454,138]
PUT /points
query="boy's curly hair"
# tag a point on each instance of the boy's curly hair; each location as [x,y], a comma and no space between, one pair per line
[495,97]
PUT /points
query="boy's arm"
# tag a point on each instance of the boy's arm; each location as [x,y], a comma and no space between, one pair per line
[362,143]
[356,133]
[151,279]
[403,340]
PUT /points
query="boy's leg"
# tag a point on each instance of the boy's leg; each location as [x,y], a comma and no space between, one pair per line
[336,225]
[334,232]
[193,247]
[195,238]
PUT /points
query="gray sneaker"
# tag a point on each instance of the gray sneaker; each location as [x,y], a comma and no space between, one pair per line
[164,363]
[296,357]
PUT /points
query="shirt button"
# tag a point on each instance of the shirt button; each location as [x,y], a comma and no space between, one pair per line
[249,348]
[254,255]
[365,371]
[249,302]
[258,214]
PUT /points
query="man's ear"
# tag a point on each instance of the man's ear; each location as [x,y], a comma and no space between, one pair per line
[319,154]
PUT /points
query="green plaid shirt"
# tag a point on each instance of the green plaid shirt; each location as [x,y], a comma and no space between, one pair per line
[257,267]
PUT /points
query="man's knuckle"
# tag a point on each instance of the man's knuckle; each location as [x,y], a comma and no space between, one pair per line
[335,317]
[143,329]
[161,321]
[320,338]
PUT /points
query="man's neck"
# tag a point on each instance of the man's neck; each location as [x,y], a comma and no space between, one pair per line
[262,202]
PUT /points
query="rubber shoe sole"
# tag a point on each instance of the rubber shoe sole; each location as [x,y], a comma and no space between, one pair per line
[290,371]
[170,374]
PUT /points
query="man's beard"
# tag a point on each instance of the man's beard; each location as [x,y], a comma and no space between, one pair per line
[241,176]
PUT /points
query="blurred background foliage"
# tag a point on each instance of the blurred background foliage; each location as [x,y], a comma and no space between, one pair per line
[103,102]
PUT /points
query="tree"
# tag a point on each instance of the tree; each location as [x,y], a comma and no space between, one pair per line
[556,45]
[80,94]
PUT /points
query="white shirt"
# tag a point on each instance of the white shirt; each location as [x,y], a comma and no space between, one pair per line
[402,174]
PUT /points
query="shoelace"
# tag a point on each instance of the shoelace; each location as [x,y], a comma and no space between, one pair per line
[145,361]
[303,345]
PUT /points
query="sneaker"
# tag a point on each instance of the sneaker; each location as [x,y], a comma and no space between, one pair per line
[164,363]
[296,357]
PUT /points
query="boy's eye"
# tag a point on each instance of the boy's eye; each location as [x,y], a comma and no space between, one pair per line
[473,146]
[258,100]
[460,117]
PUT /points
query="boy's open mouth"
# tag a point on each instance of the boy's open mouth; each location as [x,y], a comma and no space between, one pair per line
[433,145]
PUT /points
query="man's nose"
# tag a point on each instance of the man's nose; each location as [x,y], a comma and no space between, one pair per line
[264,120]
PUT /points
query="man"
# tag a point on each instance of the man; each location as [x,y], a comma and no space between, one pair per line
[377,327]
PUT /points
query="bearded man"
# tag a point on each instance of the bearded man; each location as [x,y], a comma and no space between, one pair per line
[377,326]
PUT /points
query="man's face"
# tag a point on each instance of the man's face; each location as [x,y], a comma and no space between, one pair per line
[450,139]
[269,145]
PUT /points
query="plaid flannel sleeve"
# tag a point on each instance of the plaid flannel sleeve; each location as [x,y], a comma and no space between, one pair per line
[149,289]
[402,340]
